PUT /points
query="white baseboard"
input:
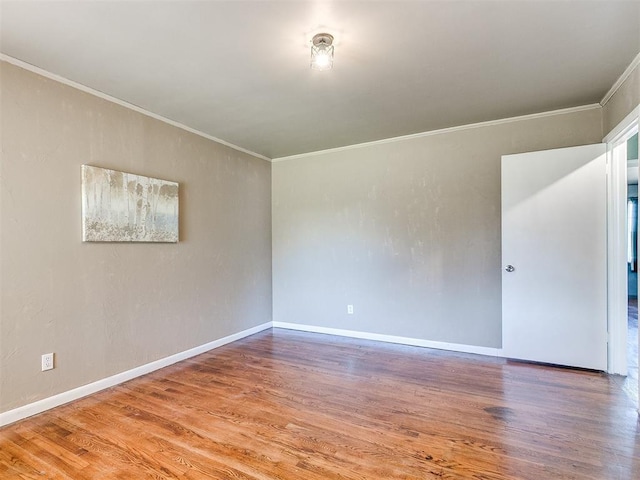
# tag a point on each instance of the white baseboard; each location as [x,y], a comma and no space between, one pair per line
[416,342]
[34,408]
[40,406]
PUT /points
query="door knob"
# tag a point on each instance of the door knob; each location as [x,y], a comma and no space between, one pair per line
[509,268]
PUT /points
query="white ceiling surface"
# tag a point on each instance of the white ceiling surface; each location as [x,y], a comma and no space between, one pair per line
[239,70]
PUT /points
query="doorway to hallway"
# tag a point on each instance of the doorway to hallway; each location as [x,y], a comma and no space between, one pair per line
[631,383]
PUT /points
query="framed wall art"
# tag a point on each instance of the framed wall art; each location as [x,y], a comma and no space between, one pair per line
[124,207]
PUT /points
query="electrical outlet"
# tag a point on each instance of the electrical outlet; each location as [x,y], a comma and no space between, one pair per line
[47,361]
[350,309]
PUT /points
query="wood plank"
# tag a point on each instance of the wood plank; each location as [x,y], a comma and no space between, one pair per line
[291,405]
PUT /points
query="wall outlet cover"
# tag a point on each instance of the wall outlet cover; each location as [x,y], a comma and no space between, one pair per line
[47,362]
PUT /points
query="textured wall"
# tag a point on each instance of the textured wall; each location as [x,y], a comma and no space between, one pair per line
[106,308]
[408,232]
[626,98]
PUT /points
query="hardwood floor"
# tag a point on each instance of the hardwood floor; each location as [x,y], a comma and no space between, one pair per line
[292,405]
[631,382]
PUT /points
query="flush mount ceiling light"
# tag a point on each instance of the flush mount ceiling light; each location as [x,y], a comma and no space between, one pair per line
[322,51]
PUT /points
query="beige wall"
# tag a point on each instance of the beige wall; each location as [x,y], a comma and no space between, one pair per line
[106,308]
[408,232]
[626,98]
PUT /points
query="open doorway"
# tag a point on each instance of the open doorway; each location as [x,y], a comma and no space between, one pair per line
[622,147]
[632,381]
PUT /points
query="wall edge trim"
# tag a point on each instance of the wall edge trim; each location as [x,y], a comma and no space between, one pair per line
[415,342]
[621,79]
[123,103]
[48,403]
[469,126]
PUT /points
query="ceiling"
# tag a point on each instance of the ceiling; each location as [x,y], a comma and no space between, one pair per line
[239,70]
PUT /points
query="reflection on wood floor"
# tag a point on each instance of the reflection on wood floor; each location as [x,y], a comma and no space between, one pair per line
[631,382]
[291,405]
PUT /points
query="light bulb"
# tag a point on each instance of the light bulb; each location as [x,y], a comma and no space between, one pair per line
[322,51]
[322,60]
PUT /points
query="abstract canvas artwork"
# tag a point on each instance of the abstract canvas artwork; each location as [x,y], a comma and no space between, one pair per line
[123,207]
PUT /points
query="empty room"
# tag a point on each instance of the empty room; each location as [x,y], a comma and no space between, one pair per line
[261,240]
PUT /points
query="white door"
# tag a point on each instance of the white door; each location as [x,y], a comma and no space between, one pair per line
[554,253]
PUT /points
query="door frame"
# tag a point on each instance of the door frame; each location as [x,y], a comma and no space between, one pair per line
[617,243]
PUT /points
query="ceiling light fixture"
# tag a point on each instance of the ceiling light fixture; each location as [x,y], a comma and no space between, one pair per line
[322,51]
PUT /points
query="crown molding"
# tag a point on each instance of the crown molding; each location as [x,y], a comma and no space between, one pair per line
[130,106]
[563,111]
[614,88]
[122,103]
